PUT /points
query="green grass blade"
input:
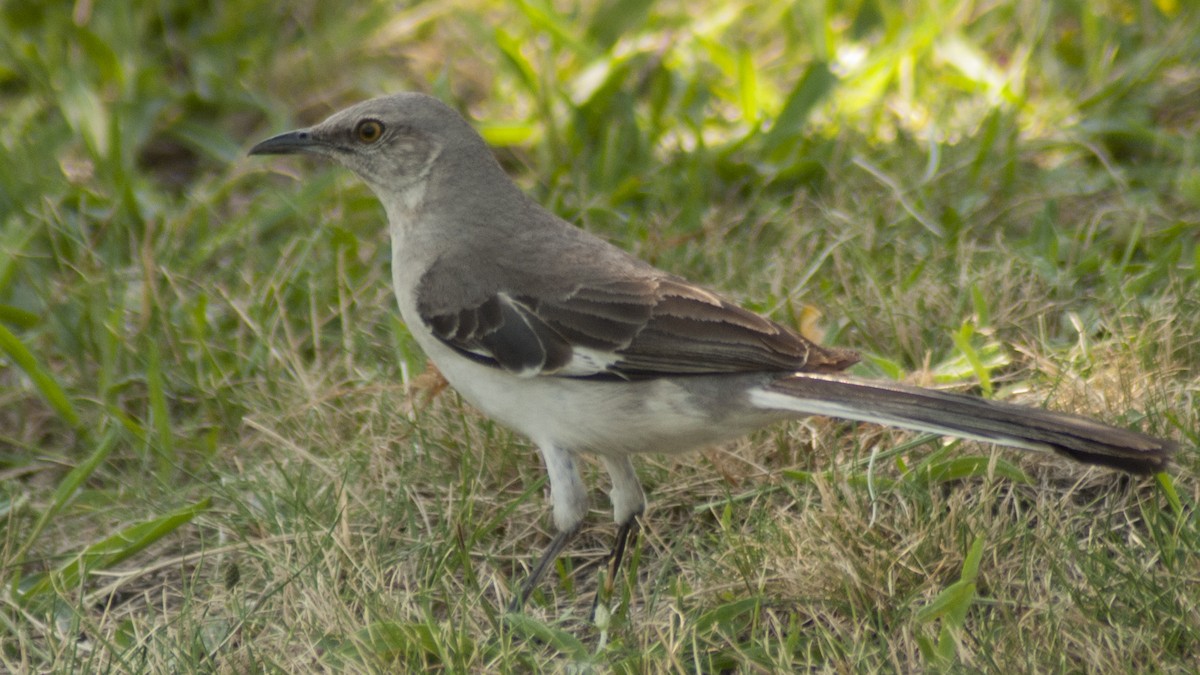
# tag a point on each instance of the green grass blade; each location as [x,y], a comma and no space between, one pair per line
[613,19]
[952,597]
[561,640]
[969,467]
[510,50]
[113,550]
[728,615]
[749,94]
[67,488]
[962,340]
[1168,487]
[18,317]
[42,379]
[816,83]
[974,557]
[386,642]
[164,446]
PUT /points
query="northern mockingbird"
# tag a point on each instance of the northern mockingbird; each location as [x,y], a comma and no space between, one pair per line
[584,348]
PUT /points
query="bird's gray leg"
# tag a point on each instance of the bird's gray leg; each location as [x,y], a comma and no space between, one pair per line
[629,501]
[557,544]
[569,500]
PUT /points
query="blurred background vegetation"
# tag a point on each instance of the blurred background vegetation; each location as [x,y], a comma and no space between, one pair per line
[213,458]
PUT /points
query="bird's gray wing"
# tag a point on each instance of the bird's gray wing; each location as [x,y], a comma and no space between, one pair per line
[626,326]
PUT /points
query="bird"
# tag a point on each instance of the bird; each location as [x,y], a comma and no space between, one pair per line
[586,349]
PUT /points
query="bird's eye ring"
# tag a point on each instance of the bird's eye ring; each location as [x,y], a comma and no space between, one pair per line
[368,131]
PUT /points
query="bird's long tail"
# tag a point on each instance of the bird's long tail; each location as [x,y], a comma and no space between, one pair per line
[1080,438]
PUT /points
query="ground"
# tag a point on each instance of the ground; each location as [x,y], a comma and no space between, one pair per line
[222,451]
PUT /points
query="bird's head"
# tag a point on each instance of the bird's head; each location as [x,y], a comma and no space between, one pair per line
[390,142]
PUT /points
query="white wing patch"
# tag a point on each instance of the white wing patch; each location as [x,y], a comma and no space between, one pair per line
[586,361]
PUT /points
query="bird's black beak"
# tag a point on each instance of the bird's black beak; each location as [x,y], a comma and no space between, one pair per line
[300,141]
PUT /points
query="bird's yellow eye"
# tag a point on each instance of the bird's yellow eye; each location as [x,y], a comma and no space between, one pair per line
[368,131]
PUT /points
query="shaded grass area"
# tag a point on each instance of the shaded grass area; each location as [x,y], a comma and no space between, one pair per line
[219,453]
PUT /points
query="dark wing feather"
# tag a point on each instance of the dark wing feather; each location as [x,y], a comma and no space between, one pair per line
[504,333]
[694,331]
[633,327]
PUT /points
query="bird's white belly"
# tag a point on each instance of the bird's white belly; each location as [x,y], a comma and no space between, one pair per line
[604,417]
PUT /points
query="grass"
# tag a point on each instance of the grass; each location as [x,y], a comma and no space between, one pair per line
[220,454]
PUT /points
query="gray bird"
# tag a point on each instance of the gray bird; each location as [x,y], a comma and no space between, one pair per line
[582,347]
